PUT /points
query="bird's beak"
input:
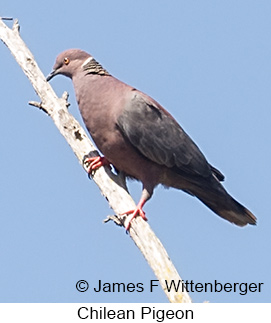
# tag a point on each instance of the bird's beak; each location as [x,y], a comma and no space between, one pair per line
[51,75]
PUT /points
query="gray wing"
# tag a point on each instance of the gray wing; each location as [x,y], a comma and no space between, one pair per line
[156,134]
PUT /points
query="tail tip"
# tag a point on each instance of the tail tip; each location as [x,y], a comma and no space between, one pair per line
[242,218]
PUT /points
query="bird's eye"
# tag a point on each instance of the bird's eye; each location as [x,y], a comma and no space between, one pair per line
[66,60]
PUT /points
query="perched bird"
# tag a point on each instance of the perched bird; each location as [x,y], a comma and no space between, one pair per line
[141,139]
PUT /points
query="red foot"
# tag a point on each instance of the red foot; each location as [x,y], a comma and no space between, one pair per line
[95,162]
[137,211]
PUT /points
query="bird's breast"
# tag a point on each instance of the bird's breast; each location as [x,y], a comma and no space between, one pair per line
[101,102]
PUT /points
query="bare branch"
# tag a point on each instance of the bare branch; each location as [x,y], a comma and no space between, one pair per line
[112,187]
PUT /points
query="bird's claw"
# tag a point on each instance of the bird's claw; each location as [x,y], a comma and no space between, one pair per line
[136,212]
[93,163]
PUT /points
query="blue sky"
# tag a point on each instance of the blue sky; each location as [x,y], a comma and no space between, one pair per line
[208,63]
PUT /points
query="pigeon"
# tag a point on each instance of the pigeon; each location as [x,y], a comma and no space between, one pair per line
[142,140]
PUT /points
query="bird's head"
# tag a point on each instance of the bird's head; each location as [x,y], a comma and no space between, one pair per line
[68,62]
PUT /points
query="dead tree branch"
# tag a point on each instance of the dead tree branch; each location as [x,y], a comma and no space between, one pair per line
[112,187]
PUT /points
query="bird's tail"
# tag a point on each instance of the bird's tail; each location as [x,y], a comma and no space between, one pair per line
[218,200]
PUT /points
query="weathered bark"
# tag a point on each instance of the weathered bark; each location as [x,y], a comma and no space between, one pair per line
[112,187]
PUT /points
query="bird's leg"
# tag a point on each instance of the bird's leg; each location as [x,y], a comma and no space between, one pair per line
[137,211]
[95,162]
[146,194]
